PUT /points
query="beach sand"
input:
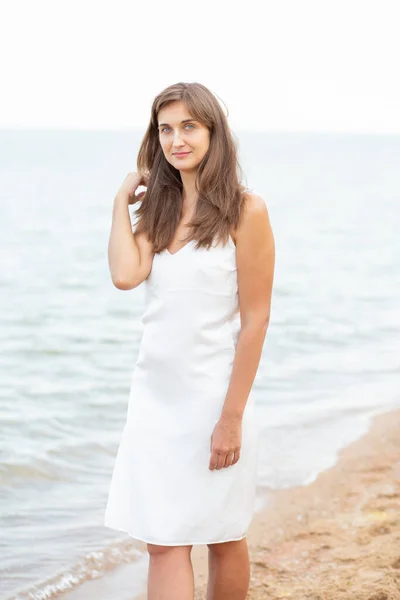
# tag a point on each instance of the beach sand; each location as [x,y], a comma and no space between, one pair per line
[335,539]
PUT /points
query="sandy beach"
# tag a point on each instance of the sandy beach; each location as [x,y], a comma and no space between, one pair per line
[335,539]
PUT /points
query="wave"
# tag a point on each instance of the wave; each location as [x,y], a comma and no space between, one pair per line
[92,566]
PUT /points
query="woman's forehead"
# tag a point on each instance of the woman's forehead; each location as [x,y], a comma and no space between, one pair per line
[176,110]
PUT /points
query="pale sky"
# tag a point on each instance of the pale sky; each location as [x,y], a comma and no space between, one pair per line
[281,65]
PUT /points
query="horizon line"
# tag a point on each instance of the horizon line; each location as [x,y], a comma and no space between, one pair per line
[64,129]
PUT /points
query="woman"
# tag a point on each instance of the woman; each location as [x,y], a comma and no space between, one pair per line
[185,471]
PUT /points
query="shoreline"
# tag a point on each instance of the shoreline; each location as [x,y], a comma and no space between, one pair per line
[337,538]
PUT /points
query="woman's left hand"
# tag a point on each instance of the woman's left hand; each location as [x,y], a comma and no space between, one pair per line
[226,442]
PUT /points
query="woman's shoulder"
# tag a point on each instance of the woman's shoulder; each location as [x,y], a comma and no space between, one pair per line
[254,202]
[254,207]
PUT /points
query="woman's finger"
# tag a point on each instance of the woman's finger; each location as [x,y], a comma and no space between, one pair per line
[221,461]
[236,457]
[213,460]
[229,459]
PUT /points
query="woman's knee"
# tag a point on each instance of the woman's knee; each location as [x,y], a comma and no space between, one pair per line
[158,550]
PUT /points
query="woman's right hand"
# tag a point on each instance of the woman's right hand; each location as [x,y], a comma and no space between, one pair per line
[132,181]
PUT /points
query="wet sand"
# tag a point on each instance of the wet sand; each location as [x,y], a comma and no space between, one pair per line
[335,539]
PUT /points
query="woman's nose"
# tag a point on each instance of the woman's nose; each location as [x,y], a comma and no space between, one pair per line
[177,140]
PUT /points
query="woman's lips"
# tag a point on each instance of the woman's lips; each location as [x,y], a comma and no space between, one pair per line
[181,153]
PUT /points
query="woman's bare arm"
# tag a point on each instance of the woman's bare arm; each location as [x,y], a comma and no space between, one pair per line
[130,256]
[255,258]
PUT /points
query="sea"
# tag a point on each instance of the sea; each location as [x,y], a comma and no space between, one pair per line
[69,338]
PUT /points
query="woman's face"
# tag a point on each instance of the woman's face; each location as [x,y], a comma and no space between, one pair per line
[179,133]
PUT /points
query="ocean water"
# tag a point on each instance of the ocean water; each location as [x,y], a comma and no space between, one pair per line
[70,339]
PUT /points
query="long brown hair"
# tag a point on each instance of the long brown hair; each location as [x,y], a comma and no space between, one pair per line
[220,194]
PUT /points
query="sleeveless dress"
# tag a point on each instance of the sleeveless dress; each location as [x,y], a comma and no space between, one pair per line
[162,491]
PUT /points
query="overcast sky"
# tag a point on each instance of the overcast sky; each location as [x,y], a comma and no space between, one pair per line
[282,65]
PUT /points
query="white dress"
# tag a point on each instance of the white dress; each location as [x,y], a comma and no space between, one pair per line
[162,490]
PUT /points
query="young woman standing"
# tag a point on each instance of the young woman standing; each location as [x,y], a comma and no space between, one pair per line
[185,471]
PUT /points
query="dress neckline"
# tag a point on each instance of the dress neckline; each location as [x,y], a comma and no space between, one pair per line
[180,249]
[190,242]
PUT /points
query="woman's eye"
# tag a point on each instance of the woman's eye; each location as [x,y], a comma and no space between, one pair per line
[189,125]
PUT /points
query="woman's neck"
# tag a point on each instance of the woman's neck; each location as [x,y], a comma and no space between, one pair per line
[189,192]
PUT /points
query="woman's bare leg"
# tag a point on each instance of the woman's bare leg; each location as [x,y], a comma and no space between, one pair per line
[170,574]
[228,570]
